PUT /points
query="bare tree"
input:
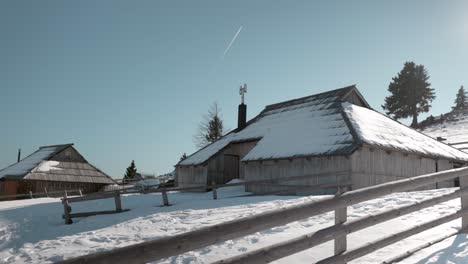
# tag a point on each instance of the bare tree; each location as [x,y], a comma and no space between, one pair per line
[210,128]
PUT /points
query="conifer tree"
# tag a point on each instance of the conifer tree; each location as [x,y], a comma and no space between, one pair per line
[184,156]
[460,100]
[411,93]
[211,128]
[130,172]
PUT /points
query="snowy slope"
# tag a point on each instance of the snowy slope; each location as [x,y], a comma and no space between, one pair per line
[32,231]
[454,128]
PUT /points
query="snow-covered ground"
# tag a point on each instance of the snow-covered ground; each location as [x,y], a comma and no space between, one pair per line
[32,231]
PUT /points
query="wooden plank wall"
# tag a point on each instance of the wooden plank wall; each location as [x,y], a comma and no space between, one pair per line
[216,164]
[191,176]
[68,154]
[371,166]
[8,187]
[274,169]
[442,166]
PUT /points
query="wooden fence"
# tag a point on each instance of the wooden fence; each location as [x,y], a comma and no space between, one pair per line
[460,143]
[67,215]
[169,246]
[165,193]
[31,195]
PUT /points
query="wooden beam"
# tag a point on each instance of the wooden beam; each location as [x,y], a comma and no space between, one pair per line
[458,143]
[341,215]
[85,214]
[118,202]
[215,192]
[165,198]
[66,210]
[464,202]
[91,197]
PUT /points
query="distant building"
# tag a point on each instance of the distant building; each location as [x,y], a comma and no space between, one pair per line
[55,168]
[451,128]
[330,137]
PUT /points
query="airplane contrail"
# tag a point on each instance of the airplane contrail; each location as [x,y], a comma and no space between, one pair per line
[232,41]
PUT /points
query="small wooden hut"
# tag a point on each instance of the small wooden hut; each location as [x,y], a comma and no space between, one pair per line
[331,137]
[52,168]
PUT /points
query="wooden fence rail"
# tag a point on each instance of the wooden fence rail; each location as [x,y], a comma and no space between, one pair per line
[458,143]
[165,191]
[214,187]
[203,237]
[67,215]
[46,193]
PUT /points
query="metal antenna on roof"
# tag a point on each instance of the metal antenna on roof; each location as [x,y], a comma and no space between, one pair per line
[242,91]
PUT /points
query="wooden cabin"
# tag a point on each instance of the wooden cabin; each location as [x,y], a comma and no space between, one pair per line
[330,138]
[52,168]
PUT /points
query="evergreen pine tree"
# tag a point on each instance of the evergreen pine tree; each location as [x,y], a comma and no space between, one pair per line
[215,129]
[131,172]
[411,93]
[460,100]
[184,156]
[211,128]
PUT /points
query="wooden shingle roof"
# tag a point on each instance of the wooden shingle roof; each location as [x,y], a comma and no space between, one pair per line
[45,165]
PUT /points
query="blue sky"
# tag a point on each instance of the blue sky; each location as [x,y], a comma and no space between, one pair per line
[130,80]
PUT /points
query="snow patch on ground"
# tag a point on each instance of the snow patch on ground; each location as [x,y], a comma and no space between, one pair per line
[32,231]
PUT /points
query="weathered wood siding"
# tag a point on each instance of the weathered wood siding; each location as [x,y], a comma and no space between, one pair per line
[371,166]
[354,99]
[8,187]
[322,170]
[11,187]
[68,154]
[216,164]
[203,175]
[191,176]
[441,166]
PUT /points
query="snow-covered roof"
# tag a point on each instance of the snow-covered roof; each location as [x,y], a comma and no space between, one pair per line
[27,164]
[376,129]
[325,124]
[40,165]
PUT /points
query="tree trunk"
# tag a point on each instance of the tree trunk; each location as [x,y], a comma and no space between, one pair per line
[415,121]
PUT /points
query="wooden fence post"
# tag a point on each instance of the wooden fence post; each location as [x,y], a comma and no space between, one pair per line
[66,209]
[165,198]
[118,202]
[340,218]
[30,194]
[464,202]
[215,192]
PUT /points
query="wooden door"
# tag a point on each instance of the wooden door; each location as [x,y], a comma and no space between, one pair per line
[231,167]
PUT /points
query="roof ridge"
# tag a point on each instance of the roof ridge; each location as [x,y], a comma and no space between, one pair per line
[58,145]
[310,96]
[357,140]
